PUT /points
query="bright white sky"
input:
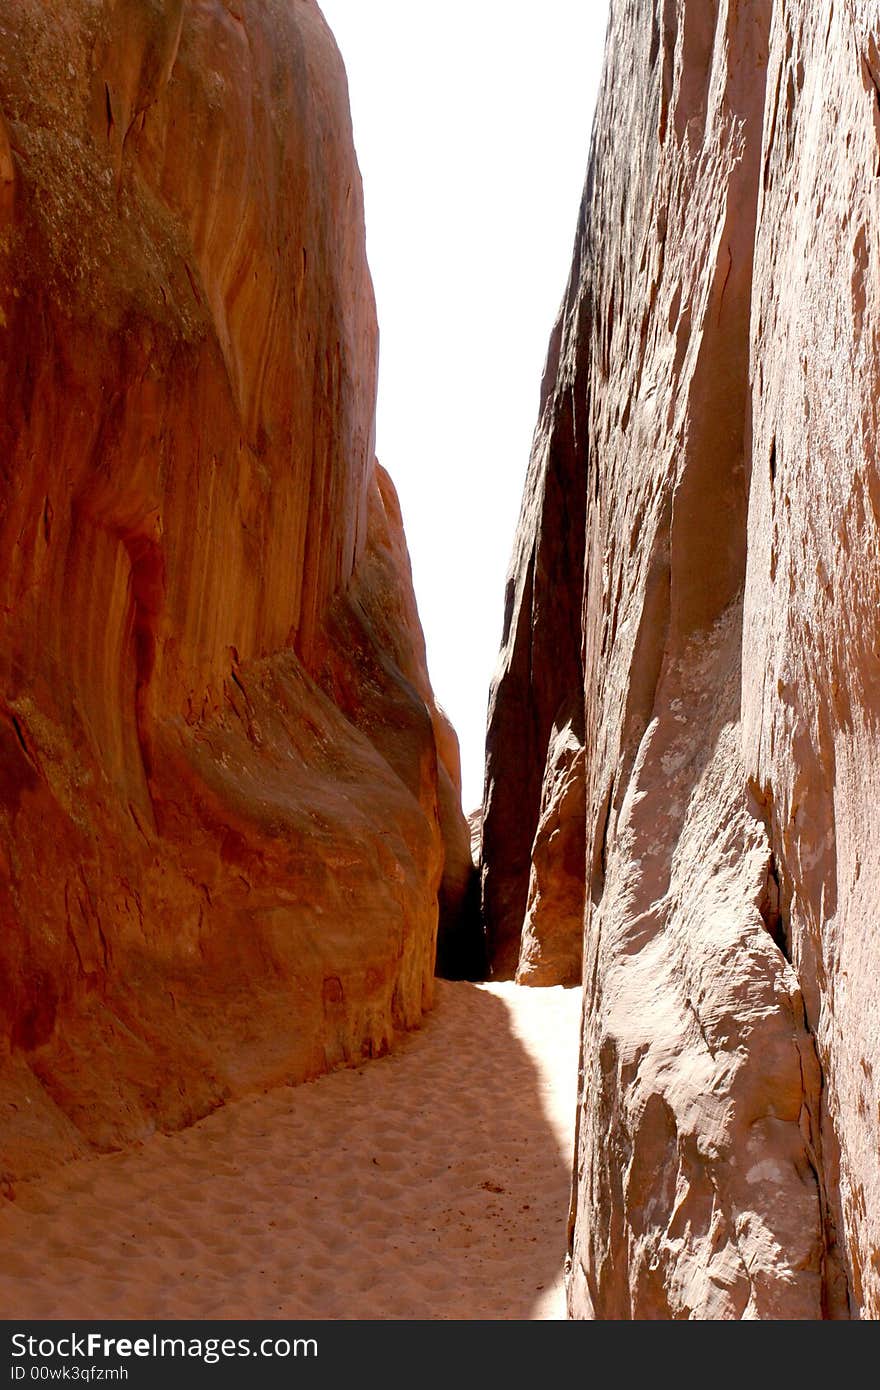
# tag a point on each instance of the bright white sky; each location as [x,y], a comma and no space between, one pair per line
[472,121]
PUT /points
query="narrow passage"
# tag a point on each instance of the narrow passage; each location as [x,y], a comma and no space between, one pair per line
[431,1184]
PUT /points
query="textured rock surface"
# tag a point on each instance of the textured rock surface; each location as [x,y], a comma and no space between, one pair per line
[811,687]
[696,1190]
[552,935]
[537,688]
[721,316]
[220,842]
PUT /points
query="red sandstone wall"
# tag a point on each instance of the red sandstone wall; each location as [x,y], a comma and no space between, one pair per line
[719,330]
[219,867]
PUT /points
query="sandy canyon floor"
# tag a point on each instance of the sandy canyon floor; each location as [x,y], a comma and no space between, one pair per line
[431,1184]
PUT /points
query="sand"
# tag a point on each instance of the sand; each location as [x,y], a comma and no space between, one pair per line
[433,1183]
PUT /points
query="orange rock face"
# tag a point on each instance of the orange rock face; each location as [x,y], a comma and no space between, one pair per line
[719,320]
[552,934]
[811,682]
[537,692]
[220,789]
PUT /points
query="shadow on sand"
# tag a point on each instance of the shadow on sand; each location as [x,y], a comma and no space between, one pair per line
[430,1184]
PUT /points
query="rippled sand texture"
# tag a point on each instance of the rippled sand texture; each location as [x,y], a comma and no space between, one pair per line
[431,1184]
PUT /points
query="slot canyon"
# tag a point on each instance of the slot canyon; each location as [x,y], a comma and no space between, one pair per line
[283,1032]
